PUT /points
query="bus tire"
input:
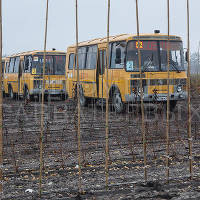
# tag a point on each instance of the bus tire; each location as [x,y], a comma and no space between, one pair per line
[10,92]
[117,102]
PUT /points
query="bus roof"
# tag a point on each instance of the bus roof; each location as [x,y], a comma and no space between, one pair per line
[38,52]
[156,36]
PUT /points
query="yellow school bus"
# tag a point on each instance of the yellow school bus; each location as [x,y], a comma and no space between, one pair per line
[23,74]
[123,70]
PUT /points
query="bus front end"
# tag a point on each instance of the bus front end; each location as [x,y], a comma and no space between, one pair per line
[54,79]
[154,67]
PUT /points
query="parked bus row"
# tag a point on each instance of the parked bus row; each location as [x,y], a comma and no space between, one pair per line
[23,72]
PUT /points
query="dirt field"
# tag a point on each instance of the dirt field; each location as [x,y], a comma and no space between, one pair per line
[126,169]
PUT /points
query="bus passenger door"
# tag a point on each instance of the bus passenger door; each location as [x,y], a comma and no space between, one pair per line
[101,73]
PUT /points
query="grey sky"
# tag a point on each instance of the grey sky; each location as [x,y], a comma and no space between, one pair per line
[23,21]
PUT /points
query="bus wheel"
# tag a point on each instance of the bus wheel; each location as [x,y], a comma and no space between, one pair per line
[11,94]
[83,100]
[117,102]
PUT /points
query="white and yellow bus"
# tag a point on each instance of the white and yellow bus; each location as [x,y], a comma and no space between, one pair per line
[23,74]
[123,70]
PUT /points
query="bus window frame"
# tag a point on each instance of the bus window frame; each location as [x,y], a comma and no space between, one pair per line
[70,60]
[84,67]
[24,63]
[159,56]
[85,60]
[6,66]
[87,55]
[3,66]
[13,65]
[53,57]
[111,53]
[102,61]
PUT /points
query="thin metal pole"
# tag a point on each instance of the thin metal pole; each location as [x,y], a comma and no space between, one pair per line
[188,87]
[78,102]
[1,105]
[141,93]
[42,103]
[198,65]
[168,103]
[107,98]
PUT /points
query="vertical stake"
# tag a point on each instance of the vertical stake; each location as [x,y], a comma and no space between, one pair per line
[78,102]
[142,103]
[198,65]
[42,103]
[188,87]
[1,105]
[168,105]
[107,97]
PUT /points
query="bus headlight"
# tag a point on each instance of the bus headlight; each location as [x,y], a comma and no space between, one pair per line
[139,90]
[179,88]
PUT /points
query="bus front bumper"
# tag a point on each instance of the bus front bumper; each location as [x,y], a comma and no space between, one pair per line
[52,92]
[156,97]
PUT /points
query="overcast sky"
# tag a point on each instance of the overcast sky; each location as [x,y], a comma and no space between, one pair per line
[24,20]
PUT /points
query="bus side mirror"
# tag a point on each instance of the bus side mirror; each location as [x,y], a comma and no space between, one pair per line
[186,56]
[118,56]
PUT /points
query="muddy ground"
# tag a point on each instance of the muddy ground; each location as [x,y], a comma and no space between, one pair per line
[126,169]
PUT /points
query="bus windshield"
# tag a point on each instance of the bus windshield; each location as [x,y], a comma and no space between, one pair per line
[154,56]
[55,64]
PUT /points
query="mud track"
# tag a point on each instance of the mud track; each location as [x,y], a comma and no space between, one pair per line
[126,173]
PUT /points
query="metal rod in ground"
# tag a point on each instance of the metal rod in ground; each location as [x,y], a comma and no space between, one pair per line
[198,65]
[188,88]
[42,103]
[107,98]
[78,105]
[1,105]
[168,104]
[141,93]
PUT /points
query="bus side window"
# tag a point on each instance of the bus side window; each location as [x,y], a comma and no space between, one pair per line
[6,67]
[116,47]
[11,65]
[91,61]
[71,61]
[81,57]
[3,65]
[102,62]
[27,64]
[16,66]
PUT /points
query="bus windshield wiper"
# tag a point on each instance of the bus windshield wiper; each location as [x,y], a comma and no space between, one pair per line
[149,63]
[174,64]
